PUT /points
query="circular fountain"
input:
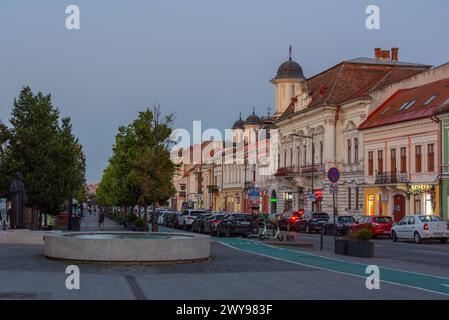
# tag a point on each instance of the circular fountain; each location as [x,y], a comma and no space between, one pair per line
[127,246]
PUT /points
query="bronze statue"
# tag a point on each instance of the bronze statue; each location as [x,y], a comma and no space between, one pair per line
[19,200]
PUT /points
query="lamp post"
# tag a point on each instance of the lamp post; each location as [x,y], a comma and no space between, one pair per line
[313,157]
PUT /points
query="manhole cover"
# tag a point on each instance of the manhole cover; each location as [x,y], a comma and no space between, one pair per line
[17,296]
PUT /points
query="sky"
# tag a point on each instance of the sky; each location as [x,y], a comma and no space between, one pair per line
[202,60]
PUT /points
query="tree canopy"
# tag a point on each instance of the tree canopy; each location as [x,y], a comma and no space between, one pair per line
[43,148]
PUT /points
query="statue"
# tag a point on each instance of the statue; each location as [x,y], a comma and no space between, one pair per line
[19,200]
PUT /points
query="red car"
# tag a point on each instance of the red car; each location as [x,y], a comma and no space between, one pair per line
[380,225]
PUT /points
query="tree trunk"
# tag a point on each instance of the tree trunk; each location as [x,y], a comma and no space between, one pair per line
[145,208]
[154,224]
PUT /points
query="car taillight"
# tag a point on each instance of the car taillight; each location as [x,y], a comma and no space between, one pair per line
[426,226]
[293,218]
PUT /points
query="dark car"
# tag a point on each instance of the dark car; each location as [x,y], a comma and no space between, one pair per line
[210,225]
[342,227]
[288,219]
[311,221]
[171,219]
[242,224]
[198,224]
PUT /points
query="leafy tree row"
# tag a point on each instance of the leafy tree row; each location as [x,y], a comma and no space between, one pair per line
[40,144]
[140,170]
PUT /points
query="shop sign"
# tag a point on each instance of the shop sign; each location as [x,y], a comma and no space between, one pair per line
[420,188]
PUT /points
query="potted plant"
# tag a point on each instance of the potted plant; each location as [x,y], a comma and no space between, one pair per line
[341,245]
[360,245]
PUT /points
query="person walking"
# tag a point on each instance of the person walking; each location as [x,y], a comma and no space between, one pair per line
[101,217]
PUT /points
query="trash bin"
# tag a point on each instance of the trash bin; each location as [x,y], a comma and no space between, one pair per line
[75,223]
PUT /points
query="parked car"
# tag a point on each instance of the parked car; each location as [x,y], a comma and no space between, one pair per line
[421,227]
[210,225]
[242,224]
[342,227]
[161,217]
[186,218]
[288,219]
[198,223]
[379,225]
[311,221]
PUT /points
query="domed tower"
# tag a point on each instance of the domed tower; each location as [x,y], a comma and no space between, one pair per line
[289,82]
[237,130]
[252,125]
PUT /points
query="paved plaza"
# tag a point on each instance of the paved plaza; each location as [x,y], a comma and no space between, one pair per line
[233,272]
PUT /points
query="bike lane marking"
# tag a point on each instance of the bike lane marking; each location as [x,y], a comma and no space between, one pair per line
[434,284]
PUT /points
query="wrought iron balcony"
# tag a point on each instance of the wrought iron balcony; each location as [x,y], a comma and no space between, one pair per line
[303,170]
[390,177]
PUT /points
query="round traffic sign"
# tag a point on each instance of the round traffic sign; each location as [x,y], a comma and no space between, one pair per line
[333,174]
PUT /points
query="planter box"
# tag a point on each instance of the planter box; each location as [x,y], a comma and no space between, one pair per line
[364,249]
[341,247]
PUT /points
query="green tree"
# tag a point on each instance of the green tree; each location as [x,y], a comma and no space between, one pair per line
[48,155]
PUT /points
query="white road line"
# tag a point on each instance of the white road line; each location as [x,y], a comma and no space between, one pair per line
[331,270]
[431,252]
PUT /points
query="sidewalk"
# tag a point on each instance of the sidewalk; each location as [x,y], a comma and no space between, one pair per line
[90,223]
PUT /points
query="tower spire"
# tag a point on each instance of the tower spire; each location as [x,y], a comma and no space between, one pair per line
[240,117]
[254,110]
[290,53]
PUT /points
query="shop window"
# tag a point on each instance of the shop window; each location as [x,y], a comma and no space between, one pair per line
[371,204]
[417,206]
[429,207]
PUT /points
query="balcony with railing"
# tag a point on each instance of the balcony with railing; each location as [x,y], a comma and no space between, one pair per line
[390,178]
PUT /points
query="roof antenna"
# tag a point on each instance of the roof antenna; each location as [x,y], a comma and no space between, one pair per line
[290,53]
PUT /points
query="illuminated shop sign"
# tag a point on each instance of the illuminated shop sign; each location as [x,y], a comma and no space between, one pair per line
[421,188]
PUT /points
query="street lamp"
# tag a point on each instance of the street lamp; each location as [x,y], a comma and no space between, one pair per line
[313,155]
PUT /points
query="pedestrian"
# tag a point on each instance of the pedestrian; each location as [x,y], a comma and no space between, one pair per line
[101,219]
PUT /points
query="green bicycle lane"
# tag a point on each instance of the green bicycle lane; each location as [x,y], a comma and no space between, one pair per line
[420,281]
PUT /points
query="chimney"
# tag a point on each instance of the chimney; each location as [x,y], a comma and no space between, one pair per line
[394,54]
[381,54]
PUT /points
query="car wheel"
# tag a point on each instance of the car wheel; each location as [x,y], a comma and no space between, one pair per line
[417,237]
[228,233]
[443,240]
[395,236]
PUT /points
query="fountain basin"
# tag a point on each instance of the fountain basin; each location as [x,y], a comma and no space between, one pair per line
[127,246]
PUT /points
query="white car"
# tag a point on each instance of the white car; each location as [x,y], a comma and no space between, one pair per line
[187,217]
[161,216]
[421,227]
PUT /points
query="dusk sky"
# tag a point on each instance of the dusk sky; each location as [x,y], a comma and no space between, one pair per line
[200,59]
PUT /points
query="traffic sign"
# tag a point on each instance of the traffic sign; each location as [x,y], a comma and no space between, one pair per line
[333,188]
[333,174]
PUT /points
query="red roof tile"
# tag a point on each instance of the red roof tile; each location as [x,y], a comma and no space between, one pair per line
[395,110]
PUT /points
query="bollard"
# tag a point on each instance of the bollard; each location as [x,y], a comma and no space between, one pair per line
[321,238]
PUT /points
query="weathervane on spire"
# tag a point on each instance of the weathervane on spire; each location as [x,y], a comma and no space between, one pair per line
[290,53]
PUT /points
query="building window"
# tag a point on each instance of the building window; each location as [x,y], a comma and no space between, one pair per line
[357,198]
[293,91]
[356,150]
[349,150]
[417,209]
[291,157]
[285,158]
[380,161]
[370,163]
[418,158]
[305,154]
[393,160]
[279,160]
[321,152]
[403,160]
[430,158]
[349,198]
[298,153]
